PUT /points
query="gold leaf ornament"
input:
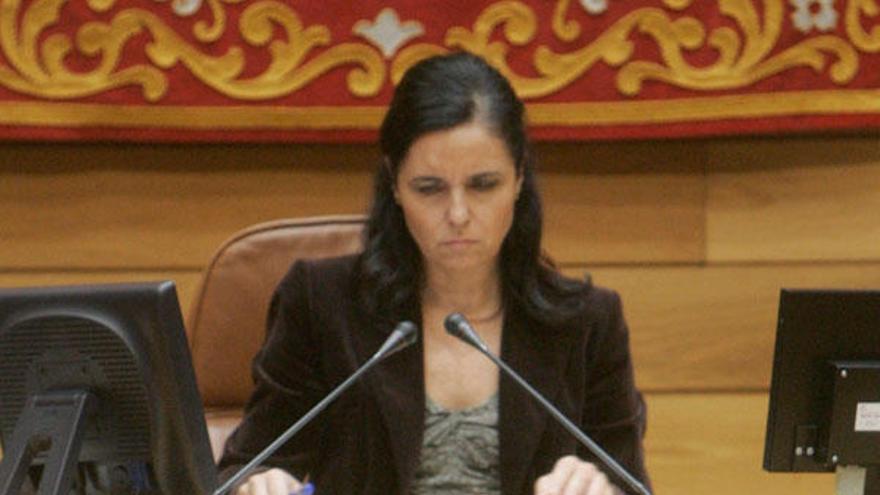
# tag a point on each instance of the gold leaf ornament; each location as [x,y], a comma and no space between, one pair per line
[39,70]
[855,10]
[288,71]
[519,25]
[564,29]
[741,62]
[518,22]
[744,55]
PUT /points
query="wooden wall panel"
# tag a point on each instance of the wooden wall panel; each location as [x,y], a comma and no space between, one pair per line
[713,328]
[714,444]
[165,217]
[810,200]
[121,212]
[620,218]
[624,202]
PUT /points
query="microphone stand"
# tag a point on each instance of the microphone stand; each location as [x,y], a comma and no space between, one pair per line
[403,336]
[457,325]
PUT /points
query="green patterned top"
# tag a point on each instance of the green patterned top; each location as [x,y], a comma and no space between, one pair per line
[459,451]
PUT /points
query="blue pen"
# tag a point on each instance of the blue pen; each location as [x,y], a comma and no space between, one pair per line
[307,489]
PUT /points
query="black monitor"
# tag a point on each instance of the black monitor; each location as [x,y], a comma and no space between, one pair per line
[98,394]
[824,412]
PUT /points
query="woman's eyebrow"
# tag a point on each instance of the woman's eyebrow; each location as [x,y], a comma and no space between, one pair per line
[485,175]
[433,178]
[425,178]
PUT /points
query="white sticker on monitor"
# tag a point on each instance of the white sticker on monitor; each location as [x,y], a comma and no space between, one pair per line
[868,416]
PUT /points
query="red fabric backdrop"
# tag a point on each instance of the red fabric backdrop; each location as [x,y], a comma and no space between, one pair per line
[306,70]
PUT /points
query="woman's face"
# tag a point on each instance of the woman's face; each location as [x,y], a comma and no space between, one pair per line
[457,188]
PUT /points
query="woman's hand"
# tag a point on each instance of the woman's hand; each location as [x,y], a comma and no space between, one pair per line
[272,482]
[572,476]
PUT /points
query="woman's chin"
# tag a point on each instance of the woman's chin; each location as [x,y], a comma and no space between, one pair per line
[467,263]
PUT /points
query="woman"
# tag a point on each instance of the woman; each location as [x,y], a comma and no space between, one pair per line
[455,226]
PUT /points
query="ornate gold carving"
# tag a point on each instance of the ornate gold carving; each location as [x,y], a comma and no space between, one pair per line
[741,62]
[566,30]
[678,4]
[748,51]
[520,25]
[208,33]
[44,75]
[742,59]
[862,40]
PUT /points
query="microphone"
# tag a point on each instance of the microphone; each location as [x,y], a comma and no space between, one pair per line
[404,335]
[456,324]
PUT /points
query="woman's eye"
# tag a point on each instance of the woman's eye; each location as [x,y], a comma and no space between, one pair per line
[428,188]
[484,183]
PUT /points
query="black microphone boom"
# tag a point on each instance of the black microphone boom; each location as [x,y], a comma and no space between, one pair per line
[456,324]
[404,335]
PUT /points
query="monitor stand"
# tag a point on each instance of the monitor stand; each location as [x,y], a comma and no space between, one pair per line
[51,422]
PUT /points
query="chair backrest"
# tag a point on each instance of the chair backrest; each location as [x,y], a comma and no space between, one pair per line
[226,324]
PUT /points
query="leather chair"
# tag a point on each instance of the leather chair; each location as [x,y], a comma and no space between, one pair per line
[226,324]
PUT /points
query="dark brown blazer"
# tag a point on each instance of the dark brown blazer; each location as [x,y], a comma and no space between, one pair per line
[369,440]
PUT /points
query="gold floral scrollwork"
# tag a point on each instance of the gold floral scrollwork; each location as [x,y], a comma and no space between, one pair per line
[287,72]
[746,50]
[569,30]
[612,47]
[519,24]
[678,4]
[744,56]
[38,69]
[43,74]
[740,62]
[566,30]
[864,41]
[208,33]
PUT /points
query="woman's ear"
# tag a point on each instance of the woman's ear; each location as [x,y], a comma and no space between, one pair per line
[519,183]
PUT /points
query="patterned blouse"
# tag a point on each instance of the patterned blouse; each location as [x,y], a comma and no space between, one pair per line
[459,451]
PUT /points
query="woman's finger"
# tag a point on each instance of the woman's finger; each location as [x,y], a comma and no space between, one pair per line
[280,483]
[599,485]
[554,482]
[257,485]
[272,482]
[579,479]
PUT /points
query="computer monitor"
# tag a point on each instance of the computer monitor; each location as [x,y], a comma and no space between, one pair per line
[97,389]
[824,410]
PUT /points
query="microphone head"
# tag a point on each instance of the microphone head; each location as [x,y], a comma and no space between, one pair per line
[404,335]
[457,325]
[454,324]
[409,332]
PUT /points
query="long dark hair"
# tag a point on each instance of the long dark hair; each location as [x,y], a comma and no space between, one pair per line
[440,93]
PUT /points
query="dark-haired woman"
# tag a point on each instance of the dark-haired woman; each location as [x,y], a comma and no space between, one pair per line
[455,226]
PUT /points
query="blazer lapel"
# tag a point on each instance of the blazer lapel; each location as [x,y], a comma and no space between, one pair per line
[540,359]
[397,385]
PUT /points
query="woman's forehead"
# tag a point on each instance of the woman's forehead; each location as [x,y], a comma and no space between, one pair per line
[464,149]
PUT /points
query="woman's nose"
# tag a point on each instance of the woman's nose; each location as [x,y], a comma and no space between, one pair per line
[459,212]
